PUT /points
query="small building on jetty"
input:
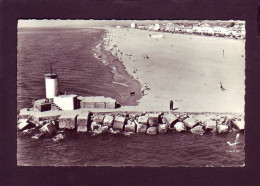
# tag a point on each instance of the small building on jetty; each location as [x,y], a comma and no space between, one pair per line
[69,102]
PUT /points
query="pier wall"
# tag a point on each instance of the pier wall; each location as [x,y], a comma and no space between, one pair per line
[150,123]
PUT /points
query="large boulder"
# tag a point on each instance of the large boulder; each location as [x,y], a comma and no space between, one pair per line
[41,123]
[190,122]
[152,130]
[143,120]
[202,119]
[112,131]
[130,127]
[98,130]
[183,117]
[99,119]
[222,120]
[48,129]
[38,136]
[108,121]
[28,131]
[198,130]
[162,128]
[119,123]
[105,128]
[140,128]
[153,119]
[222,128]
[58,137]
[170,119]
[24,113]
[179,127]
[82,128]
[210,125]
[67,121]
[133,115]
[238,124]
[163,120]
[23,124]
[36,117]
[83,122]
[94,126]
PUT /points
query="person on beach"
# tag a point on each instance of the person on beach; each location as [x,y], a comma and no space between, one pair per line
[142,92]
[171,105]
[223,53]
[221,87]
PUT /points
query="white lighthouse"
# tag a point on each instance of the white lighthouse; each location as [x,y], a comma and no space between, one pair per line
[51,84]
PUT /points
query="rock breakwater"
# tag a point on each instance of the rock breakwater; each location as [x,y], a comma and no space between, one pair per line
[129,123]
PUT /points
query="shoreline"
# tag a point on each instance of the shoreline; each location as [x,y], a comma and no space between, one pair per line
[121,75]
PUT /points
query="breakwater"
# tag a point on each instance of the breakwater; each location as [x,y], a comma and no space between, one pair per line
[55,124]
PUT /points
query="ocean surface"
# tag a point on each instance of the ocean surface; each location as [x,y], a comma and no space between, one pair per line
[71,53]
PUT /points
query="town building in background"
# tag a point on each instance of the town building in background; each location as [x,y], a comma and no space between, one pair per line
[133,25]
[228,29]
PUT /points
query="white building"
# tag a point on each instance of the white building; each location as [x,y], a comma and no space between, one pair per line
[141,26]
[187,29]
[156,27]
[169,27]
[206,29]
[133,25]
[197,29]
[218,30]
[240,29]
[66,102]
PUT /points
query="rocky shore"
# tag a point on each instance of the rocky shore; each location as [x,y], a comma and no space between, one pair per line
[128,123]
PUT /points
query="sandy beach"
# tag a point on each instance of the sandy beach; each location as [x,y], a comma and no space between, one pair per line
[187,69]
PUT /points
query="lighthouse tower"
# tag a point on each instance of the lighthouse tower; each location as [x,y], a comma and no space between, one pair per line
[51,84]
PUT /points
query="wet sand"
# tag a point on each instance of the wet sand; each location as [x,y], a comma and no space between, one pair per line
[187,69]
[121,76]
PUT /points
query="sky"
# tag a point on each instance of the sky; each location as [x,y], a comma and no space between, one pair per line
[83,23]
[72,23]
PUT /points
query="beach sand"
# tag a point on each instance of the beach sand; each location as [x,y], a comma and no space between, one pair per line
[187,69]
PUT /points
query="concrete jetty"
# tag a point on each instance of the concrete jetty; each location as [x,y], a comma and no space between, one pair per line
[150,123]
[99,102]
[68,121]
[83,122]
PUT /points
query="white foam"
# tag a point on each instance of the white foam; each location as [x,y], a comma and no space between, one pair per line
[113,70]
[121,84]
